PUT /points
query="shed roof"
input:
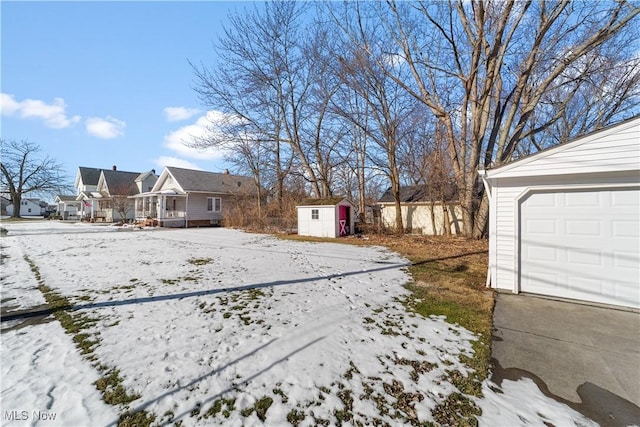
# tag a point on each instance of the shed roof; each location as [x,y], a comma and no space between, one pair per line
[328,201]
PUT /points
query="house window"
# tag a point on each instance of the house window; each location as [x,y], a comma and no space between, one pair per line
[29,210]
[315,214]
[214,204]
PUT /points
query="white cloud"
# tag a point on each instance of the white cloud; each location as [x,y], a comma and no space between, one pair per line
[163,161]
[106,128]
[193,133]
[175,114]
[53,115]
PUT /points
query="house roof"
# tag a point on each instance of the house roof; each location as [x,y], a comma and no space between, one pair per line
[328,201]
[190,180]
[420,193]
[89,176]
[143,175]
[120,183]
[66,198]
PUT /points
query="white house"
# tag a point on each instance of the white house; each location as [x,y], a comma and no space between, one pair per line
[29,207]
[331,217]
[67,206]
[86,184]
[565,222]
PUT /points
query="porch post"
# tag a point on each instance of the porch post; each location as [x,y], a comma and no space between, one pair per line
[186,211]
[163,201]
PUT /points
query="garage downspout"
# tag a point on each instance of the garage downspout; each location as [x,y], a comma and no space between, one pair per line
[487,188]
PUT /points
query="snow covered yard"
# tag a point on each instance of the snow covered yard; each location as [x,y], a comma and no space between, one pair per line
[220,327]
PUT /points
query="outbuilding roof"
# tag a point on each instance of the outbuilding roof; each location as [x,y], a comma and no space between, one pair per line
[420,193]
[328,201]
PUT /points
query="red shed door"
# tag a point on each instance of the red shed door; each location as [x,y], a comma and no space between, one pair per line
[344,220]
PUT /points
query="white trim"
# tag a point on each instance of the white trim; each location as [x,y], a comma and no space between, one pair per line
[503,171]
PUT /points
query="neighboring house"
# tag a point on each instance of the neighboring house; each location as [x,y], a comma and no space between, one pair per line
[565,222]
[331,217]
[67,206]
[110,200]
[187,198]
[4,202]
[422,212]
[86,185]
[28,207]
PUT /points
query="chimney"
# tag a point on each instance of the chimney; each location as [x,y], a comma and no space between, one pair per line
[153,171]
[226,171]
[115,168]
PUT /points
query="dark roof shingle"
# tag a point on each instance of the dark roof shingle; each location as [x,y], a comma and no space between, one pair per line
[419,193]
[90,176]
[202,181]
[121,183]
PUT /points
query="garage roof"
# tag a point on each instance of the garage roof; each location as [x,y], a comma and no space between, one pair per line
[613,149]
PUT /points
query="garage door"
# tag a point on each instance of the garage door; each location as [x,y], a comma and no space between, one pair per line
[582,245]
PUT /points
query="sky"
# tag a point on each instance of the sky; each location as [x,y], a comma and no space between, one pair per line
[99,84]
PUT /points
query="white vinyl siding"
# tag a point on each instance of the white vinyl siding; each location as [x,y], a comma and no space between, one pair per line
[323,226]
[611,150]
[198,207]
[569,169]
[327,222]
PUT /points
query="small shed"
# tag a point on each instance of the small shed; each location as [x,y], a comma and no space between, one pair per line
[330,217]
[565,222]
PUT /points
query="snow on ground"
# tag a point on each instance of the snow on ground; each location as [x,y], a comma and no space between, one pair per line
[206,324]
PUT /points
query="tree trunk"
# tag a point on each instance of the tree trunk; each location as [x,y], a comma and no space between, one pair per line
[481,219]
[446,219]
[16,199]
[432,206]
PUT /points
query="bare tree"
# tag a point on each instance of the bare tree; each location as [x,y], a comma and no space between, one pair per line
[26,171]
[390,110]
[485,68]
[268,80]
[608,92]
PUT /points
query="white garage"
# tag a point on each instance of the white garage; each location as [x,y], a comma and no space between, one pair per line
[565,222]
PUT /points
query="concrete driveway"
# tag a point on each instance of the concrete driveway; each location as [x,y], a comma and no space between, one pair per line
[585,356]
